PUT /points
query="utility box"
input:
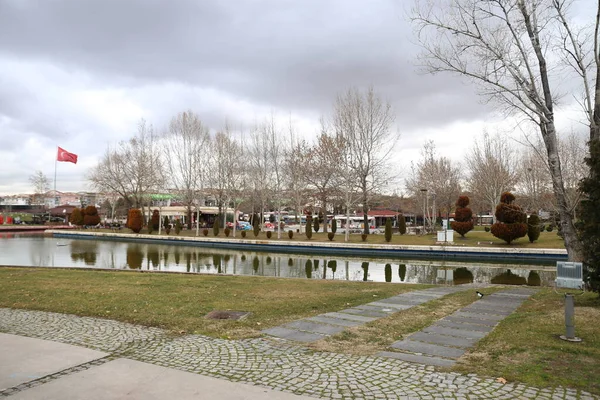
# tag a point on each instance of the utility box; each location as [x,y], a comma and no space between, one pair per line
[445,236]
[569,275]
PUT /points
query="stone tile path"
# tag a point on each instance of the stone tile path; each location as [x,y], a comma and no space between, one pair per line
[442,343]
[280,365]
[320,326]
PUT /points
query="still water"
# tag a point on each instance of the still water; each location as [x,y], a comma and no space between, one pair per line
[39,250]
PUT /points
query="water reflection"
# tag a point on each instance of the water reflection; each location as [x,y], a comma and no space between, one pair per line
[37,250]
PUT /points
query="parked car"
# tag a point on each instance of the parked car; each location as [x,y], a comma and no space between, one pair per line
[243,226]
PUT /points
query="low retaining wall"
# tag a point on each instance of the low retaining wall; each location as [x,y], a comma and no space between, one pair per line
[546,256]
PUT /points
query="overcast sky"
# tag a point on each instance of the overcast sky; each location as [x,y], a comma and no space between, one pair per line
[81,74]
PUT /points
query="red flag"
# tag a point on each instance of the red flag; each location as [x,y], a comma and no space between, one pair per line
[64,155]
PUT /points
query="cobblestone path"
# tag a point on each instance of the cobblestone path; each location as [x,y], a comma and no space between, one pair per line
[272,363]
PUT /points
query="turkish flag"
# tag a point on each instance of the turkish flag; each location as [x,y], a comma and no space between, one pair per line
[64,155]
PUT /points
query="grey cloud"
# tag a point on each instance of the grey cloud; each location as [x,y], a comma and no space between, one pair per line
[289,54]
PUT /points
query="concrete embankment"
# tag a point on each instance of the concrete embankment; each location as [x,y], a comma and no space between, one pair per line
[337,248]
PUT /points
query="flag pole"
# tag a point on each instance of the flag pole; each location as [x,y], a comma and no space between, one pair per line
[55,162]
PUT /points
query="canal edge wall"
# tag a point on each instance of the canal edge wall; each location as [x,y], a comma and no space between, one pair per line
[335,248]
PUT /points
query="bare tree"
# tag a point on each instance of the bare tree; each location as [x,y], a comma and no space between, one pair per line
[363,123]
[276,149]
[293,169]
[437,179]
[186,149]
[41,185]
[260,166]
[492,165]
[133,169]
[502,45]
[535,183]
[321,169]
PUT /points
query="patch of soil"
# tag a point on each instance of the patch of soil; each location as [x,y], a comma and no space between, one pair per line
[232,315]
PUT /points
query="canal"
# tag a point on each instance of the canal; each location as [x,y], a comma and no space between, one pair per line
[39,250]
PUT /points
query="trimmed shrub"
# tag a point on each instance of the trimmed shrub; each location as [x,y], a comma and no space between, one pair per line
[205,232]
[135,220]
[167,225]
[512,221]
[216,227]
[332,265]
[308,268]
[549,228]
[316,224]
[333,225]
[401,224]
[178,226]
[290,234]
[402,272]
[533,228]
[463,216]
[243,234]
[364,237]
[91,217]
[388,272]
[269,234]
[256,226]
[154,220]
[365,268]
[227,232]
[76,217]
[308,228]
[330,236]
[487,229]
[388,230]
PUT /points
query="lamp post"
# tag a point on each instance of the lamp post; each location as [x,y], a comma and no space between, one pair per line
[424,191]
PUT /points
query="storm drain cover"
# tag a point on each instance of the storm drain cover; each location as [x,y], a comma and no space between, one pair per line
[235,315]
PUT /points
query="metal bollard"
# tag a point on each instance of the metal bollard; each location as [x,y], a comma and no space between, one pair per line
[570,319]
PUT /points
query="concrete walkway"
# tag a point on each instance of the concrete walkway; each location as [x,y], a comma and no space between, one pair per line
[320,326]
[129,360]
[36,369]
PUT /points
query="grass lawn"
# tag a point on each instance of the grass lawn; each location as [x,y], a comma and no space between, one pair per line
[179,302]
[475,238]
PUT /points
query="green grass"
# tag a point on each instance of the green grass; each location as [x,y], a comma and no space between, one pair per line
[475,238]
[179,302]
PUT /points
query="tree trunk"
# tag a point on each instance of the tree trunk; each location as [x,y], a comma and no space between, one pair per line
[365,208]
[567,223]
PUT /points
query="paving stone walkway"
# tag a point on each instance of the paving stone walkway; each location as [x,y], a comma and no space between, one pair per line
[320,326]
[276,364]
[442,343]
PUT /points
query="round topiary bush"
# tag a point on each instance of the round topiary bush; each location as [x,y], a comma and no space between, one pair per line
[205,232]
[463,216]
[330,236]
[227,232]
[487,228]
[511,220]
[290,234]
[269,234]
[364,237]
[243,234]
[135,220]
